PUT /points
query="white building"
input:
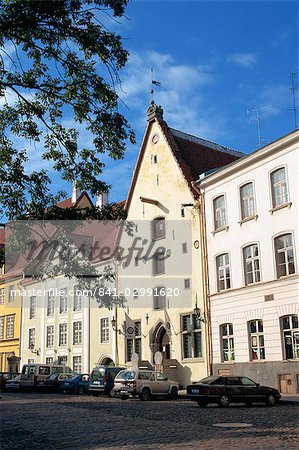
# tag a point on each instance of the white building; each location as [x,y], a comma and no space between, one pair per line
[251,212]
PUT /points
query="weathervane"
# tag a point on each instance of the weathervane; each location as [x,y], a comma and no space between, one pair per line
[153,83]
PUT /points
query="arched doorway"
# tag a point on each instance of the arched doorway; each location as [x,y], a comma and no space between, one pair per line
[106,361]
[160,341]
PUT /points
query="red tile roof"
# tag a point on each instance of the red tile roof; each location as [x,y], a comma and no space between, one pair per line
[67,203]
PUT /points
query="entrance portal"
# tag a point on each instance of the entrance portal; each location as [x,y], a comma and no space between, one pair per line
[160,341]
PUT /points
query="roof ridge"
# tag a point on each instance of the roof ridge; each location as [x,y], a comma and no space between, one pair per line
[211,144]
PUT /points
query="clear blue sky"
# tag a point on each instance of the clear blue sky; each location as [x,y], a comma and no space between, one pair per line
[214,60]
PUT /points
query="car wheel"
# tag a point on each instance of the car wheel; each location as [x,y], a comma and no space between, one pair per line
[202,403]
[173,393]
[224,401]
[80,390]
[145,395]
[271,400]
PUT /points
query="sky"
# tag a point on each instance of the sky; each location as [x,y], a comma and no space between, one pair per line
[215,61]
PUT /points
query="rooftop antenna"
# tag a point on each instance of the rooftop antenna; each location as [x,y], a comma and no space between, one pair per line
[153,83]
[258,122]
[293,90]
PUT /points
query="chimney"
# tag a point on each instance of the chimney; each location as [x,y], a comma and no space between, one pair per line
[75,192]
[102,199]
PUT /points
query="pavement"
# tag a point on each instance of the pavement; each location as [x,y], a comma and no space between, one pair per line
[31,421]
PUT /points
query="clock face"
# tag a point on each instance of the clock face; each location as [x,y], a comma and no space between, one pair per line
[155,138]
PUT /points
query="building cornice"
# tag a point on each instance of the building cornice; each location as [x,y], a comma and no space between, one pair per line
[248,160]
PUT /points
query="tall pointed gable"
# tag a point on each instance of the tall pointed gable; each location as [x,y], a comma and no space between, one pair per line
[193,155]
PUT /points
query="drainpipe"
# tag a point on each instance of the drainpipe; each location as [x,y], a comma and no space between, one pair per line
[205,277]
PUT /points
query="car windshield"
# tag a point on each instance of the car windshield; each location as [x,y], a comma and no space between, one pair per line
[97,374]
[125,375]
[74,378]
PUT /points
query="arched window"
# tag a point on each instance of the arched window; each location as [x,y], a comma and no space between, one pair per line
[223,272]
[256,340]
[227,342]
[284,255]
[279,188]
[290,336]
[247,200]
[219,212]
[251,261]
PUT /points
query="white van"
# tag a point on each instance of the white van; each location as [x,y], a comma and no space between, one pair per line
[34,375]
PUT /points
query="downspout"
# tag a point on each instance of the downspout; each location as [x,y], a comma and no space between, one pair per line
[205,277]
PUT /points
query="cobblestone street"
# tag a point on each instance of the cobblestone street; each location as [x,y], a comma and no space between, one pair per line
[42,421]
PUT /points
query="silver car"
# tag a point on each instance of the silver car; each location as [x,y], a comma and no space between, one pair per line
[145,384]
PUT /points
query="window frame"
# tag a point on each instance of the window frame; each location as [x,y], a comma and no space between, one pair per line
[31,338]
[291,331]
[32,307]
[2,327]
[191,332]
[159,304]
[10,317]
[251,260]
[241,199]
[227,337]
[79,357]
[50,336]
[62,336]
[156,236]
[223,268]
[77,332]
[50,304]
[224,208]
[63,301]
[275,239]
[272,193]
[104,330]
[256,334]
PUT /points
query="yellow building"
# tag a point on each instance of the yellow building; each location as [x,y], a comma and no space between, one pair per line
[10,319]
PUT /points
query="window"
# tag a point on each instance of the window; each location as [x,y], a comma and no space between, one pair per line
[159,294]
[133,345]
[104,330]
[2,296]
[256,340]
[62,360]
[30,360]
[227,342]
[77,299]
[154,159]
[284,255]
[159,262]
[191,336]
[11,293]
[49,360]
[62,334]
[1,327]
[50,336]
[187,283]
[251,262]
[247,201]
[77,364]
[279,187]
[77,333]
[32,307]
[31,340]
[10,324]
[63,301]
[219,213]
[158,228]
[223,272]
[290,332]
[50,304]
[184,247]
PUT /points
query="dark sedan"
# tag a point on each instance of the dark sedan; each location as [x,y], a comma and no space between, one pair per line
[228,389]
[54,381]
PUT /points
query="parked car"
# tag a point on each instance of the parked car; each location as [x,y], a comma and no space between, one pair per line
[4,377]
[102,379]
[35,375]
[230,389]
[53,382]
[77,384]
[145,384]
[13,384]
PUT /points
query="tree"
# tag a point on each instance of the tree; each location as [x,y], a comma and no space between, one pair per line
[58,59]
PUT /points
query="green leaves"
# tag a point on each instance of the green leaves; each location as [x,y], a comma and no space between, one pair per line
[57,62]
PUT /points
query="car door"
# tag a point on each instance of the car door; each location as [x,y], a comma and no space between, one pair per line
[234,389]
[252,392]
[162,384]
